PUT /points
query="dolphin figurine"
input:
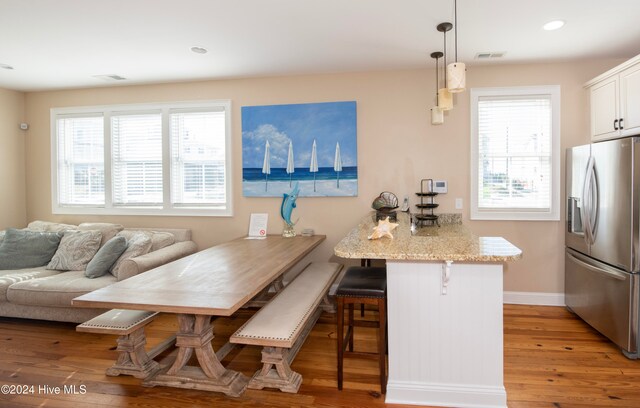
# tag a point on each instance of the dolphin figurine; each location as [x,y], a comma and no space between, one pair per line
[289,203]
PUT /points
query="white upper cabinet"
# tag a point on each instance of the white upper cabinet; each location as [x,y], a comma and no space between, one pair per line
[615,102]
[630,106]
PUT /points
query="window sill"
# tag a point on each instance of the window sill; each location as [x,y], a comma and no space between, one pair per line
[164,212]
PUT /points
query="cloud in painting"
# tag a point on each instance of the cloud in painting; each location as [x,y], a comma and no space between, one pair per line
[253,151]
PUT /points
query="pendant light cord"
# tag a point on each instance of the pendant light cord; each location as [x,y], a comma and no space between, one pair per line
[445,58]
[455,25]
[437,80]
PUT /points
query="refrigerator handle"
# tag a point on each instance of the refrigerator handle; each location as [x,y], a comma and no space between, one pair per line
[611,273]
[585,210]
[595,202]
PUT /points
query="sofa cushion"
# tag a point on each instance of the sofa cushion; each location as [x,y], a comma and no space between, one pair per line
[8,278]
[57,290]
[75,251]
[106,257]
[138,244]
[2,236]
[27,249]
[108,230]
[50,226]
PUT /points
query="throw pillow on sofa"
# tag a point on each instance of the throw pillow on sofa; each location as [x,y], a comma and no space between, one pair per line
[27,249]
[76,250]
[138,244]
[105,257]
[108,230]
[159,239]
[48,226]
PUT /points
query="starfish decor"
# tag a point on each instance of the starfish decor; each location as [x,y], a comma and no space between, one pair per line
[383,229]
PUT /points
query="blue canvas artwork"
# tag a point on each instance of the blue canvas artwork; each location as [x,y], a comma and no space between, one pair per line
[313,144]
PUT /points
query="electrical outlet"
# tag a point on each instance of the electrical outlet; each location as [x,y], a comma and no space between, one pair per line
[458,203]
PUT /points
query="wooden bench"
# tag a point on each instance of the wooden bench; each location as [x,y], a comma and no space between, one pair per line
[129,325]
[282,325]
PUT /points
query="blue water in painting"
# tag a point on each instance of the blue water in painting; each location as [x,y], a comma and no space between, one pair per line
[324,173]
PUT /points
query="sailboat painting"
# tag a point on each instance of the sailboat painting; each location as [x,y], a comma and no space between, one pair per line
[313,144]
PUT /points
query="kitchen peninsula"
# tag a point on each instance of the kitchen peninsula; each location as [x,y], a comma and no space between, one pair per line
[444,294]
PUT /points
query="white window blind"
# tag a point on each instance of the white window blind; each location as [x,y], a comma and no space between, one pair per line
[80,161]
[198,158]
[516,157]
[137,159]
[514,167]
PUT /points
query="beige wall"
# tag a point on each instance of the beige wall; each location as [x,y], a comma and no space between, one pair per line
[12,160]
[397,147]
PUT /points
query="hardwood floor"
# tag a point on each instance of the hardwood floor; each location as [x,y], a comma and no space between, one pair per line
[552,359]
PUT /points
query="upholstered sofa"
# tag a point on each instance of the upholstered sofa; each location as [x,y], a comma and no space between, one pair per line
[46,294]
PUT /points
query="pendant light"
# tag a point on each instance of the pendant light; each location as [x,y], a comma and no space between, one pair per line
[456,71]
[445,99]
[437,114]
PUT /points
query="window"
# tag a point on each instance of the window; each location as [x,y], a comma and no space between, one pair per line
[515,157]
[171,159]
[80,163]
[197,161]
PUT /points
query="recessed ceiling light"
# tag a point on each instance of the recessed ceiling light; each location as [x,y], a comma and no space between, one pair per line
[199,50]
[5,66]
[110,77]
[553,25]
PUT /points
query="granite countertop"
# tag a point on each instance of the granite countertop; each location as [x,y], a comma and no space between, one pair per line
[452,241]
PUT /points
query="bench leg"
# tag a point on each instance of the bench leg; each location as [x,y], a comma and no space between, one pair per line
[276,372]
[133,359]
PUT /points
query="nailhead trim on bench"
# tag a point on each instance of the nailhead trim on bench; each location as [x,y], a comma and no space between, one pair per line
[116,324]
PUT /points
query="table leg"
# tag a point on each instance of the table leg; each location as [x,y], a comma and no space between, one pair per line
[265,294]
[195,334]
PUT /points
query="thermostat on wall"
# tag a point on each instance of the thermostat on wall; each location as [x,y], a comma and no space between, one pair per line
[439,186]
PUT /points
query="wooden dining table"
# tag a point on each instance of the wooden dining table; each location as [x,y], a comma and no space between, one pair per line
[214,282]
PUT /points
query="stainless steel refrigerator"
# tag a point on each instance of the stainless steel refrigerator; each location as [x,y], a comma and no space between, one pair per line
[602,238]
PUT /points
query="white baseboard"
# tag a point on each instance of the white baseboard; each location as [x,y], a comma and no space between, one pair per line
[534,298]
[445,395]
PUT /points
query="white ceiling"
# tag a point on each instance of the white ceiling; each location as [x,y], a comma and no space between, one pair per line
[65,43]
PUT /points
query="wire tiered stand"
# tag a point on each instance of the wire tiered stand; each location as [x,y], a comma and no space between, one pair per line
[426,206]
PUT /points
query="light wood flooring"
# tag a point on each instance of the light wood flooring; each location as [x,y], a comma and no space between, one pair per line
[552,359]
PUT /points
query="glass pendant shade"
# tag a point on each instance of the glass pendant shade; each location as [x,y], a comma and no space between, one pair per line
[437,116]
[456,77]
[445,99]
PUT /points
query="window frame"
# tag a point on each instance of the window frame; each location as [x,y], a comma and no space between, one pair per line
[551,214]
[167,208]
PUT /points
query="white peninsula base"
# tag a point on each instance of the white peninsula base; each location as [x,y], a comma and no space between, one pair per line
[445,338]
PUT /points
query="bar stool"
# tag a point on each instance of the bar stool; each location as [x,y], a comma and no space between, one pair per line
[365,286]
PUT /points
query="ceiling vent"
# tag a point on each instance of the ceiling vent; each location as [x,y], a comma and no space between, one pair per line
[110,77]
[489,55]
